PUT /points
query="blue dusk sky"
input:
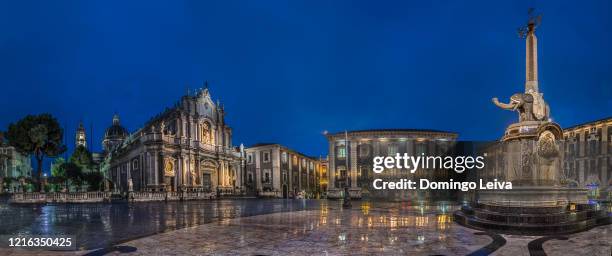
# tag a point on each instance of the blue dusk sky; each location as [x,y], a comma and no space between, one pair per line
[289,70]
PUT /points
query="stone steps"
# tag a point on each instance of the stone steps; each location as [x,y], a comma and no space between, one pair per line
[558,217]
[532,224]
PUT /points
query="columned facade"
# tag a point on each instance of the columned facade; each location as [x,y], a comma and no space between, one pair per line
[588,157]
[274,170]
[185,148]
[14,168]
[351,156]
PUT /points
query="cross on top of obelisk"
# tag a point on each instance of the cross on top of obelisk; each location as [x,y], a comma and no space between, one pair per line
[532,23]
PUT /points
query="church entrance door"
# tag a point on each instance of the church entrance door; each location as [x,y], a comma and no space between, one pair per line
[206,182]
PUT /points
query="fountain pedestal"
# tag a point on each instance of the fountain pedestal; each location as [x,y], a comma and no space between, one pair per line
[529,155]
[538,204]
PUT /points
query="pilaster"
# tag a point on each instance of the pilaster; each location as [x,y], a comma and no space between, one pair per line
[276,172]
[257,177]
[331,171]
[353,162]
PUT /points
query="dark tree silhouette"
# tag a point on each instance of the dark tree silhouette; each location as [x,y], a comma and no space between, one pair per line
[38,135]
[94,180]
[82,157]
[74,173]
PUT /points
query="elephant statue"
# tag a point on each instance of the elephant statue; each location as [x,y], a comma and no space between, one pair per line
[520,102]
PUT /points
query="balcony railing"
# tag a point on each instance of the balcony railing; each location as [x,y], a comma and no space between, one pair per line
[191,143]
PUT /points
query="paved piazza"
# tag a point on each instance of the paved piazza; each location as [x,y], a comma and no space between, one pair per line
[366,229]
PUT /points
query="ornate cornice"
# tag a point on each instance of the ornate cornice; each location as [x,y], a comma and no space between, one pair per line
[392,133]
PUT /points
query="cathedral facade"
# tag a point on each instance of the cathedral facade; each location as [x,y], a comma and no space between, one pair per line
[185,148]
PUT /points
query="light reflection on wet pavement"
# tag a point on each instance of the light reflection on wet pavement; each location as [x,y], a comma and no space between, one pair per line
[277,227]
[367,228]
[101,225]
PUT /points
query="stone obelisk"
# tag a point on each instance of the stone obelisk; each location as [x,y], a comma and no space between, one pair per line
[540,108]
[529,155]
[531,60]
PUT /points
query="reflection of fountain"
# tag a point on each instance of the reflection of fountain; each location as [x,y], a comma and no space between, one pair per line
[529,156]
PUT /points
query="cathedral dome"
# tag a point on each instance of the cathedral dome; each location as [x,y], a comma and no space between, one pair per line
[114,135]
[116,130]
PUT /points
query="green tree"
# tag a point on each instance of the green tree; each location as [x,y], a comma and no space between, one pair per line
[74,173]
[58,182]
[57,170]
[58,173]
[82,157]
[9,181]
[38,135]
[94,180]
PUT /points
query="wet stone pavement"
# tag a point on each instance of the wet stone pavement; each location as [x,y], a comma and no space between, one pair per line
[103,225]
[330,230]
[303,227]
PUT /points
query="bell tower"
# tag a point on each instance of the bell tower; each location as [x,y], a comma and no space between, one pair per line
[80,139]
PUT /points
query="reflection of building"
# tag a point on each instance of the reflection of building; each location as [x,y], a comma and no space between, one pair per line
[187,147]
[351,164]
[277,171]
[588,155]
[323,180]
[13,165]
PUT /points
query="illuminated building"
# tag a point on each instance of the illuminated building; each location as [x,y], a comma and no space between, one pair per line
[588,156]
[273,170]
[114,135]
[80,138]
[185,148]
[13,166]
[351,156]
